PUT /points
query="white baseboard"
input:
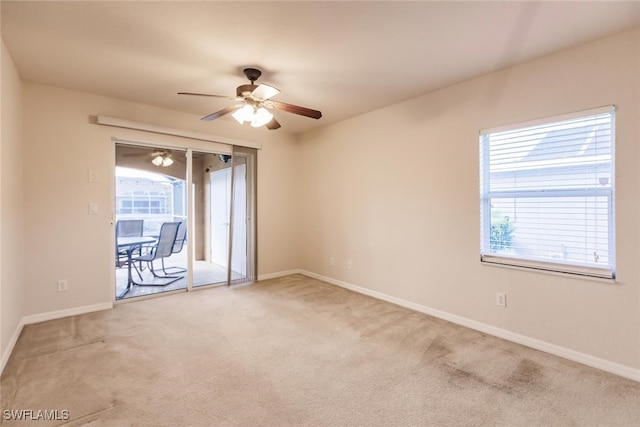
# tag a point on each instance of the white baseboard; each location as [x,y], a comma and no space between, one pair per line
[11,345]
[36,318]
[280,274]
[576,356]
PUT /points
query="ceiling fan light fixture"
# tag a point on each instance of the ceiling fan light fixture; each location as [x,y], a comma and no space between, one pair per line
[157,160]
[243,114]
[162,159]
[167,161]
[261,117]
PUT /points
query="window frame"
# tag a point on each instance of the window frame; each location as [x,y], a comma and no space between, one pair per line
[486,196]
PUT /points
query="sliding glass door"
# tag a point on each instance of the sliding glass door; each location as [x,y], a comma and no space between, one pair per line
[211,177]
[242,248]
[223,198]
[147,196]
[215,206]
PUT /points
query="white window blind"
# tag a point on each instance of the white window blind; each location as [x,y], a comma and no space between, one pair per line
[547,194]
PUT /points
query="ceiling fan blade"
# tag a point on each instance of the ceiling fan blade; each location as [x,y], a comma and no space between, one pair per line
[273,124]
[264,92]
[221,113]
[289,108]
[206,94]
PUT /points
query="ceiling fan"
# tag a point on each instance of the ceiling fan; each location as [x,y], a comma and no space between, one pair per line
[157,157]
[255,101]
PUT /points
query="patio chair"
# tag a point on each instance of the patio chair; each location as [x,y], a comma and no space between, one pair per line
[127,228]
[162,249]
[181,238]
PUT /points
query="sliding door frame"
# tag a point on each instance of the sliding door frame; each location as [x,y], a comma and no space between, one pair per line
[250,154]
[251,158]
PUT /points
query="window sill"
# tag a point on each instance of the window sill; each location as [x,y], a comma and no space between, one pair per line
[542,269]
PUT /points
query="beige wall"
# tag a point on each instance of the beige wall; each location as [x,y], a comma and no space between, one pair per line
[396,191]
[11,205]
[65,242]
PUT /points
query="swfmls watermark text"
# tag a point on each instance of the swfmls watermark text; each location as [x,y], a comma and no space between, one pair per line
[35,415]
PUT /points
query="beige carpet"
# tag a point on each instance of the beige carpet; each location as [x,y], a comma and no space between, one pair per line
[291,352]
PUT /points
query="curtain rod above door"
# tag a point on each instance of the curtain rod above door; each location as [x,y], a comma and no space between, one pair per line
[145,127]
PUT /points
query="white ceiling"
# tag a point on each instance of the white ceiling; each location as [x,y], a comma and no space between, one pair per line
[343,58]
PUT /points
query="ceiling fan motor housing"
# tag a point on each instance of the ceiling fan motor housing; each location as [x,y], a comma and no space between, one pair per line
[243,91]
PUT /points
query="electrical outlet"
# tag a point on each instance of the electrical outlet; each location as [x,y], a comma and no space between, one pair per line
[501,299]
[332,261]
[63,286]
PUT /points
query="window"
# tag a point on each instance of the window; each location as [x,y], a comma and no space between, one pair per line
[547,194]
[143,204]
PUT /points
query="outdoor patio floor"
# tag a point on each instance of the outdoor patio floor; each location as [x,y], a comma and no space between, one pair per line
[204,274]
